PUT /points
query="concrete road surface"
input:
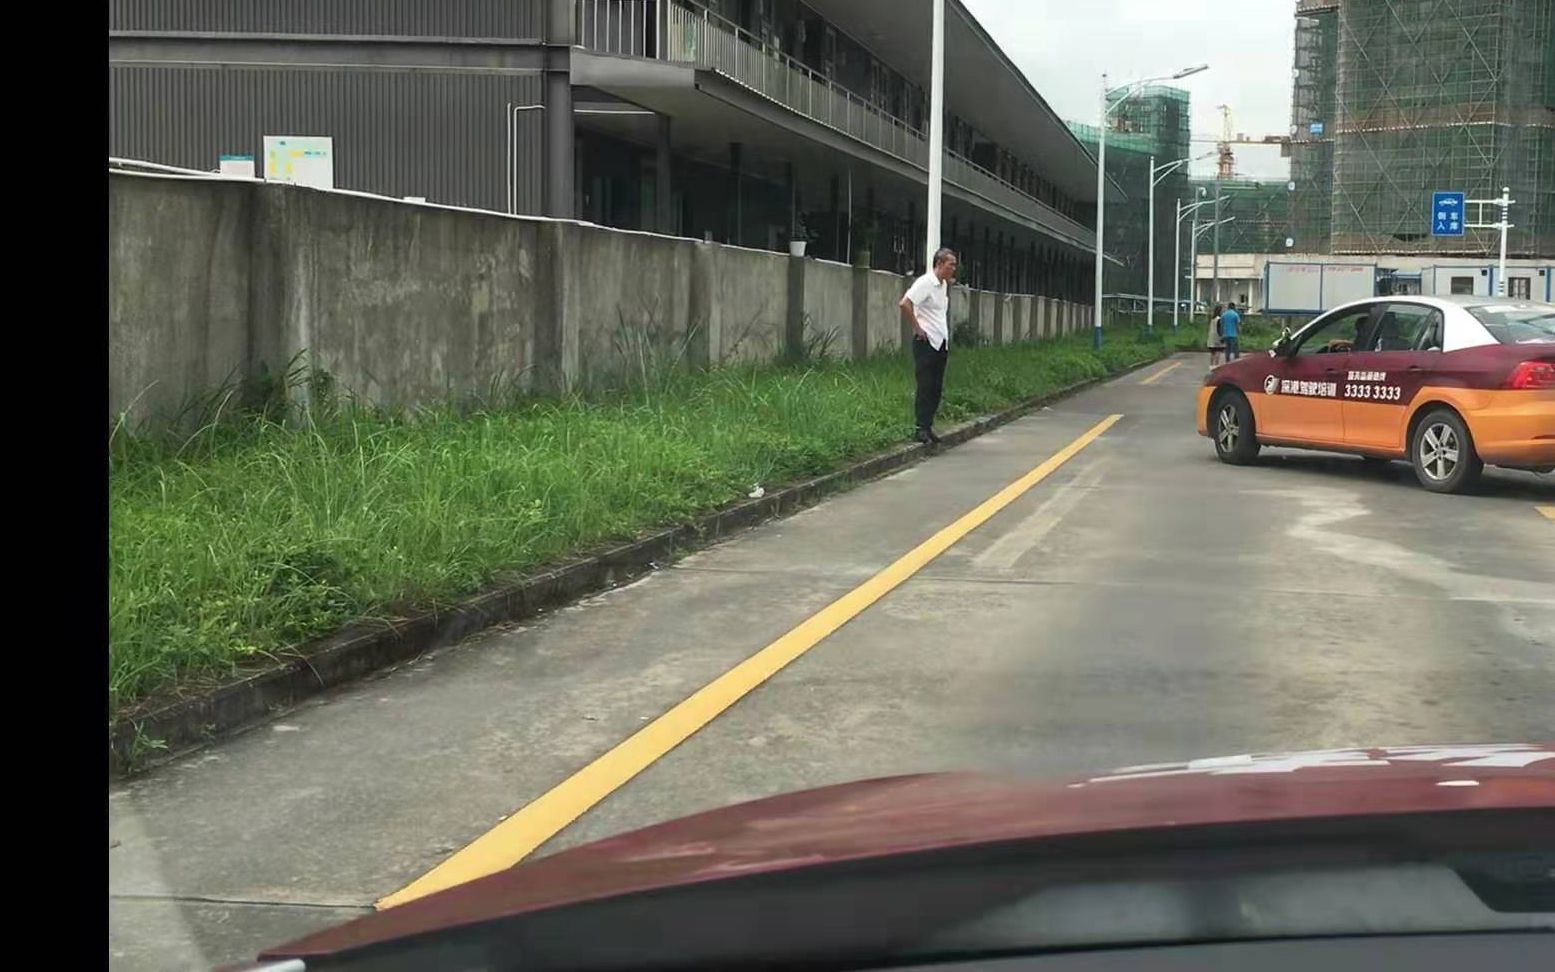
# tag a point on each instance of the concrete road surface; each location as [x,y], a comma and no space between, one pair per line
[1142,603]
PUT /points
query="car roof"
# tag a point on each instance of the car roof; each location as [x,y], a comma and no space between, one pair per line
[1444,301]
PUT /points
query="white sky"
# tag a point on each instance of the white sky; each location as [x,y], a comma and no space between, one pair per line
[1065,45]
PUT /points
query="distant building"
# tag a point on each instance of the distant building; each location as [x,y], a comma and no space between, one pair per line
[1154,122]
[1394,101]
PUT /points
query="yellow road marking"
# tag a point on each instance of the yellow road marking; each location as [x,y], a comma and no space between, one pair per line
[1162,373]
[517,836]
[1548,511]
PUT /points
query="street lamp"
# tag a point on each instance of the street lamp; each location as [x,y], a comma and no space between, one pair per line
[1182,214]
[1101,176]
[1157,174]
[1199,231]
[936,132]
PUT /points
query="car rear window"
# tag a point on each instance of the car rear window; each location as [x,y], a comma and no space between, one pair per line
[1518,323]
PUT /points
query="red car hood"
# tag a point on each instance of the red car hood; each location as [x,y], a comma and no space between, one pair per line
[921,813]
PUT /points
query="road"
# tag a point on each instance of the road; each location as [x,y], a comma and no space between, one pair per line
[1141,603]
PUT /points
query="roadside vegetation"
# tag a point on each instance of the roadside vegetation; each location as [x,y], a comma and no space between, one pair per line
[271,526]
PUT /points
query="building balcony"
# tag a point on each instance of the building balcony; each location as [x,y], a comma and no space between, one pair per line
[682,32]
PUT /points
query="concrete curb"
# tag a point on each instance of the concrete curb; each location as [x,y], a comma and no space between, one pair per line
[365,647]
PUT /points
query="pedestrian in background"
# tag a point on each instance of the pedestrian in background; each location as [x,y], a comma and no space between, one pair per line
[1214,341]
[1231,331]
[926,306]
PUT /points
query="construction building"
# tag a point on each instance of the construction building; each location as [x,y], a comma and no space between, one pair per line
[1396,100]
[1258,210]
[760,123]
[1152,123]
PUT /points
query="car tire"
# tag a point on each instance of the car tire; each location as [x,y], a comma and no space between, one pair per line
[1442,452]
[1231,428]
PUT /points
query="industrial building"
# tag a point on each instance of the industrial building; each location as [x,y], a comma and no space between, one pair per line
[761,123]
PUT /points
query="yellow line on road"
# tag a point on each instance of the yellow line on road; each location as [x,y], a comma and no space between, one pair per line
[517,836]
[1548,511]
[1162,373]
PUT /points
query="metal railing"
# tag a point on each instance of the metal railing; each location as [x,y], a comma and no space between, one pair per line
[698,36]
[627,27]
[695,35]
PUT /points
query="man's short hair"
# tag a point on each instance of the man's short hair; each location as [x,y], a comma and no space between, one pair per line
[944,254]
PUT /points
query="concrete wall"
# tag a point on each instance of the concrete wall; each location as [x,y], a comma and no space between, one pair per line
[401,304]
[178,271]
[828,306]
[749,303]
[213,281]
[884,293]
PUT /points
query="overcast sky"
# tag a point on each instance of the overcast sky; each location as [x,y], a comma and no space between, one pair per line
[1065,45]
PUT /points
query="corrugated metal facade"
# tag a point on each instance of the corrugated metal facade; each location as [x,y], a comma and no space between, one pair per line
[501,19]
[441,136]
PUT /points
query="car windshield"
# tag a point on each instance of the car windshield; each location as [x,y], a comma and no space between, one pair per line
[1518,323]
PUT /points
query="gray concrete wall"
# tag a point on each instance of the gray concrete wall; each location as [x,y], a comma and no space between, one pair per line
[212,282]
[750,304]
[828,306]
[178,289]
[884,293]
[630,296]
[400,304]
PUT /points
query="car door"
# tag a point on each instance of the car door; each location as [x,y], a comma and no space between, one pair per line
[1300,403]
[1400,351]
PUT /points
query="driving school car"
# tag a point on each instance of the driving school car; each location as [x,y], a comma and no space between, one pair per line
[1449,383]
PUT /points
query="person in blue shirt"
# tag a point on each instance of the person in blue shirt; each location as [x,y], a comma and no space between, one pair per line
[1230,329]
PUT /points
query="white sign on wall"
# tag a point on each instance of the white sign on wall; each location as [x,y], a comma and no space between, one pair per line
[304,160]
[236,165]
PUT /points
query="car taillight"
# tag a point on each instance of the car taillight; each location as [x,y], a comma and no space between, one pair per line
[1532,375]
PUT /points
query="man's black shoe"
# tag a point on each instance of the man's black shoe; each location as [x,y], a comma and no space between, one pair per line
[933,436]
[926,437]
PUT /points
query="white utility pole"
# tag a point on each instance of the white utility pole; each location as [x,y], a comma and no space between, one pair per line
[1150,256]
[1157,174]
[936,134]
[1182,213]
[1199,231]
[1101,213]
[1505,203]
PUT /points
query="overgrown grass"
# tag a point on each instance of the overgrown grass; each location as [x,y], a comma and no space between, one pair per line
[264,530]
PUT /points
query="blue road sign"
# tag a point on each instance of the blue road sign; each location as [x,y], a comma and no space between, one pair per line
[1447,215]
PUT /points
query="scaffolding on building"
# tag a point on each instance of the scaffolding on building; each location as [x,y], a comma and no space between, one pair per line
[1394,101]
[1260,210]
[1151,121]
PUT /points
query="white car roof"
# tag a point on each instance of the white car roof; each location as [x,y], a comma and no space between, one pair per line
[1462,329]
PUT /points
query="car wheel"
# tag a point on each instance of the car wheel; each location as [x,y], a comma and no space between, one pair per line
[1231,425]
[1443,453]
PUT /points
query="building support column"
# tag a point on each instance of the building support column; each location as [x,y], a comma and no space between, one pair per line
[663,189]
[736,213]
[560,131]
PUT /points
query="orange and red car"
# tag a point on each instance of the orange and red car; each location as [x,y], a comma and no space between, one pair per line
[1450,384]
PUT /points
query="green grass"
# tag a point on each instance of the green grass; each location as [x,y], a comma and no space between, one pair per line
[255,535]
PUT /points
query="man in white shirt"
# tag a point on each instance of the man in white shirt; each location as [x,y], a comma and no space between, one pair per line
[926,307]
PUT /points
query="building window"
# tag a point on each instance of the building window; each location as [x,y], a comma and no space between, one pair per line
[1463,285]
[1519,288]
